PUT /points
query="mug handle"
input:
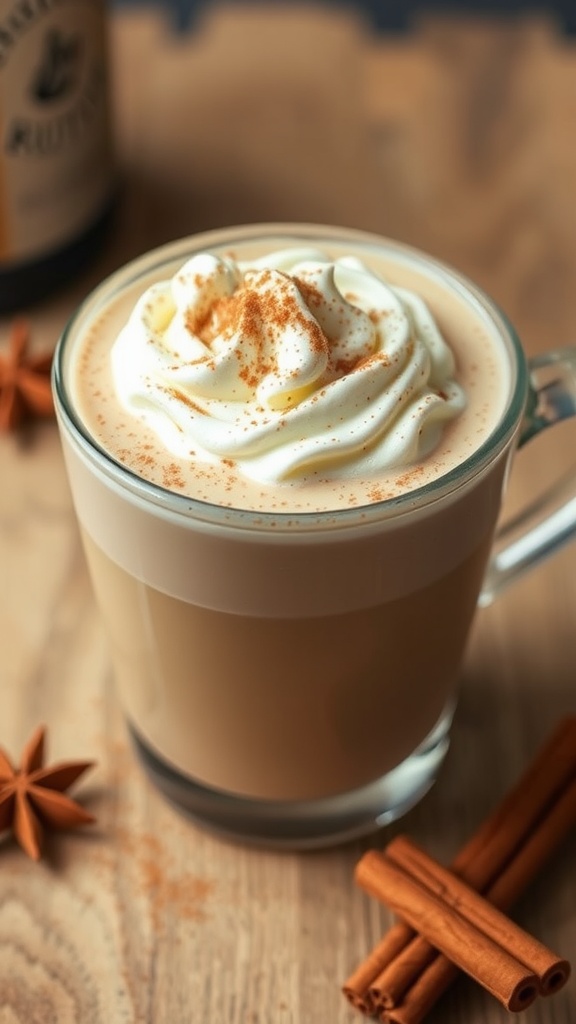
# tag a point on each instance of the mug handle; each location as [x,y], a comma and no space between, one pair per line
[549,521]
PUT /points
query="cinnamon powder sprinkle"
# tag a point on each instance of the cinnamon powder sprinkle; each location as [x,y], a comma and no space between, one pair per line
[182,396]
[408,480]
[172,477]
[312,296]
[246,311]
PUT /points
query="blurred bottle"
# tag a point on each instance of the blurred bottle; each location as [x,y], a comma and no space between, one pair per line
[57,177]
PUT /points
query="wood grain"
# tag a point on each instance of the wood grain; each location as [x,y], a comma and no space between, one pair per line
[457,138]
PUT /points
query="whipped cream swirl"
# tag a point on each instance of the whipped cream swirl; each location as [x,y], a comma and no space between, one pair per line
[287,366]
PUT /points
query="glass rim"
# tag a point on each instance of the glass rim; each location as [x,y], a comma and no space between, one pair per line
[292,233]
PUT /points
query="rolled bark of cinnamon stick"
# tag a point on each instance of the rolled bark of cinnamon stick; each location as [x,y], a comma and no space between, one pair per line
[499,971]
[480,912]
[397,975]
[437,976]
[424,993]
[481,860]
[357,987]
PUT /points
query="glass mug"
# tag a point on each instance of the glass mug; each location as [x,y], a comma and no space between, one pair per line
[290,679]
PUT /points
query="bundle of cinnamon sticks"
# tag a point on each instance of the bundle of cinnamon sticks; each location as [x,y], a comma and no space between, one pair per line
[454,919]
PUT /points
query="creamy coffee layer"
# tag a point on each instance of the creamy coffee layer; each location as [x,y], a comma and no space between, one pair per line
[285,709]
[456,428]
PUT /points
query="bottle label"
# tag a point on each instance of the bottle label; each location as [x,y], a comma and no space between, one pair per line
[56,165]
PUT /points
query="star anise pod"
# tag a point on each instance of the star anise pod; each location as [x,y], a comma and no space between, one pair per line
[32,797]
[25,390]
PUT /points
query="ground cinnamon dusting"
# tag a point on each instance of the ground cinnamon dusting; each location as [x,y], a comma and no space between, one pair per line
[168,891]
[246,311]
[406,480]
[183,397]
[172,477]
[310,293]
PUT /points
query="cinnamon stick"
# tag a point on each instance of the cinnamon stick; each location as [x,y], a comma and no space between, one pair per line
[480,861]
[500,972]
[357,987]
[484,857]
[438,975]
[424,993]
[397,976]
[480,912]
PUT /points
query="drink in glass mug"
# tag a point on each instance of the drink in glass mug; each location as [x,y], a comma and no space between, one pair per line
[287,447]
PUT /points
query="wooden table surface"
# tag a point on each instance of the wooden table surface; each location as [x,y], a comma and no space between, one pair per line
[459,139]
